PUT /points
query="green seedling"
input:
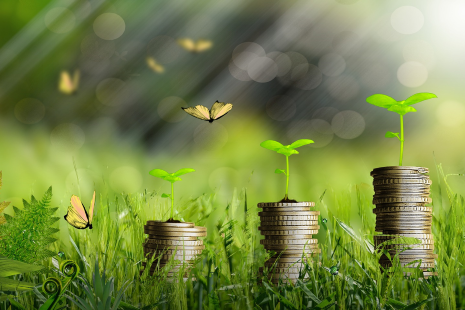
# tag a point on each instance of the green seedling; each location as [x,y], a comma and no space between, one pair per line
[286,150]
[400,107]
[170,177]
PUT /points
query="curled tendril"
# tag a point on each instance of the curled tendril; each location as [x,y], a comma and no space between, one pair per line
[69,268]
[52,286]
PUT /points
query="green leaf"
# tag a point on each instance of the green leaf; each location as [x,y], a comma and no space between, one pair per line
[171,178]
[381,100]
[7,284]
[287,151]
[300,143]
[271,145]
[9,267]
[182,171]
[159,173]
[396,304]
[418,304]
[401,109]
[391,134]
[165,195]
[419,97]
[278,171]
[16,304]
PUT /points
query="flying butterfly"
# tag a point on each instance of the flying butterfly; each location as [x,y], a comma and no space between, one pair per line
[218,110]
[195,46]
[68,85]
[77,215]
[154,65]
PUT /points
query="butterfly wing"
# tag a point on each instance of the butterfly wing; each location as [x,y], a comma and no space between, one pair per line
[187,44]
[219,109]
[203,45]
[77,215]
[199,111]
[66,84]
[91,210]
[154,65]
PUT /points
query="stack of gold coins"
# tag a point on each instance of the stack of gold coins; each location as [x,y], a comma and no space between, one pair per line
[288,228]
[401,193]
[172,243]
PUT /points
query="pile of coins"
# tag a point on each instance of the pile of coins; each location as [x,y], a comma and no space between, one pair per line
[288,228]
[401,193]
[172,243]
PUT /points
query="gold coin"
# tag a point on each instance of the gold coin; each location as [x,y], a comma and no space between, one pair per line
[173,242]
[401,223]
[381,193]
[289,218]
[416,208]
[171,252]
[286,259]
[173,229]
[423,241]
[289,213]
[396,169]
[284,276]
[401,181]
[282,247]
[310,227]
[426,274]
[288,232]
[288,241]
[296,254]
[288,237]
[289,252]
[272,265]
[425,200]
[171,247]
[289,223]
[405,215]
[172,238]
[410,246]
[169,257]
[278,270]
[392,231]
[175,233]
[169,224]
[285,204]
[409,235]
[287,209]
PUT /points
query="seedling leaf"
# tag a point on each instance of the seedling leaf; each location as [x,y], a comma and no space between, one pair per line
[171,178]
[159,173]
[165,195]
[183,171]
[280,171]
[300,143]
[381,100]
[287,151]
[271,145]
[419,97]
[391,134]
[401,109]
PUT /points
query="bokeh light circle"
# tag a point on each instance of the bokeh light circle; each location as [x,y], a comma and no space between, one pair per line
[29,111]
[109,91]
[451,113]
[343,87]
[125,179]
[210,136]
[325,113]
[60,20]
[94,48]
[109,26]
[170,110]
[375,76]
[407,20]
[245,53]
[412,74]
[317,130]
[237,72]
[311,79]
[67,137]
[419,51]
[282,61]
[262,69]
[332,64]
[348,124]
[281,108]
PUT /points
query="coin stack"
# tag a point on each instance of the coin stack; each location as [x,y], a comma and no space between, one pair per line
[288,228]
[401,193]
[171,242]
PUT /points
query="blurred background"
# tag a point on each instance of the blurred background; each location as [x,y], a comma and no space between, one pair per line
[292,70]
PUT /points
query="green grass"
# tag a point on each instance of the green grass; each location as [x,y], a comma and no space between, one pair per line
[226,274]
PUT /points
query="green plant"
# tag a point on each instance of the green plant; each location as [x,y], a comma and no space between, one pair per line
[3,205]
[27,235]
[170,177]
[400,107]
[9,267]
[286,150]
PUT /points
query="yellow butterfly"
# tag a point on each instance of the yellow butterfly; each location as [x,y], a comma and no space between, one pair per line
[77,215]
[218,110]
[67,85]
[154,65]
[195,47]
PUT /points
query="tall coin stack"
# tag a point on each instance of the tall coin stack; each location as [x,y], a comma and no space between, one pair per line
[288,228]
[401,193]
[170,241]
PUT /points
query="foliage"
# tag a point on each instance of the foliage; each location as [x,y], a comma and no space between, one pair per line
[27,235]
[400,107]
[4,204]
[9,267]
[170,177]
[286,150]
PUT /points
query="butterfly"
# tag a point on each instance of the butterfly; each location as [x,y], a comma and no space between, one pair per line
[68,85]
[218,110]
[154,65]
[77,215]
[195,47]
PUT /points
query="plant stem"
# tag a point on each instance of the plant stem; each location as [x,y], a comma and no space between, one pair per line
[172,201]
[287,176]
[401,139]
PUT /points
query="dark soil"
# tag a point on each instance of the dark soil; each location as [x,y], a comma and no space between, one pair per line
[287,200]
[173,221]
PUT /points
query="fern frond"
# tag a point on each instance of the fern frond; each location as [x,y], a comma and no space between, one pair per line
[18,211]
[47,197]
[8,217]
[53,220]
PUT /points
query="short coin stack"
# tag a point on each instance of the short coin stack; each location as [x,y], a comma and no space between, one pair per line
[288,228]
[401,193]
[170,241]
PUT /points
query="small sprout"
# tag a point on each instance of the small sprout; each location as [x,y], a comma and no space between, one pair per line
[170,177]
[286,150]
[61,254]
[400,107]
[324,220]
[334,270]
